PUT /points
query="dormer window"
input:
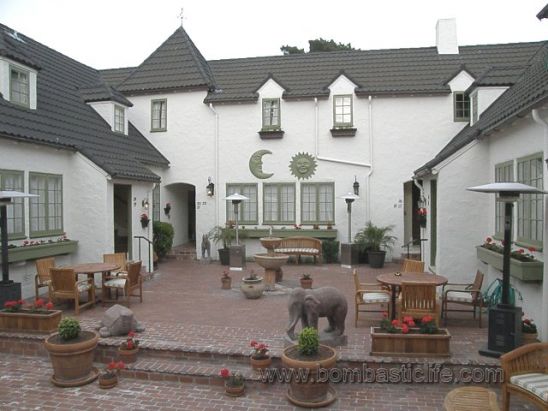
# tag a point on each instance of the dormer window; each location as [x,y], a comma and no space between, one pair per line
[461,106]
[119,120]
[342,111]
[271,114]
[19,86]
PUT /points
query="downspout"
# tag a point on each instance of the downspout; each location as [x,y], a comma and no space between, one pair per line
[216,159]
[544,326]
[370,172]
[423,200]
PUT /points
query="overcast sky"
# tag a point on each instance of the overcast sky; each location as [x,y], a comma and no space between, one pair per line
[121,33]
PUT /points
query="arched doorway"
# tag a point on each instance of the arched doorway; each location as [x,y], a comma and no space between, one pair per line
[182,216]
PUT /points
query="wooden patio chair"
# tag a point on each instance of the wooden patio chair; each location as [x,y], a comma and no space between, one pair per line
[42,277]
[64,285]
[127,283]
[526,374]
[119,259]
[464,294]
[412,266]
[419,299]
[368,294]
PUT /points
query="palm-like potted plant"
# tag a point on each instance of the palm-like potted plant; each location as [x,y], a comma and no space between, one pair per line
[376,240]
[71,352]
[309,355]
[224,235]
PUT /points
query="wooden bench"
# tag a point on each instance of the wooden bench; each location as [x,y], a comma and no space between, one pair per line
[301,246]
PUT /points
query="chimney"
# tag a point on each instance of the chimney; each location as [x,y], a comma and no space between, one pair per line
[446,36]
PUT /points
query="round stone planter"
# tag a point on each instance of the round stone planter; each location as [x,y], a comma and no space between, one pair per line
[252,289]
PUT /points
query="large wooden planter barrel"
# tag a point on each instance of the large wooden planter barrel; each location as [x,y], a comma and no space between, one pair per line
[310,393]
[73,361]
[28,321]
[412,344]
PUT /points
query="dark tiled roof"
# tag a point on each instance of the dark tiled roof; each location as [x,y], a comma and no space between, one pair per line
[176,64]
[63,119]
[498,76]
[530,90]
[115,76]
[9,47]
[543,14]
[103,92]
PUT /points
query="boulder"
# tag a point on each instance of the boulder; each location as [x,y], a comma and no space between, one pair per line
[119,320]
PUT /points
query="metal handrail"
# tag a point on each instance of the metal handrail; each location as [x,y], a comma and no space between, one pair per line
[140,237]
[412,242]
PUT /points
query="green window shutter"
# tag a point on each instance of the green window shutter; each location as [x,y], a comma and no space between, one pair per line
[158,115]
[317,203]
[14,180]
[342,111]
[279,203]
[271,114]
[248,212]
[530,206]
[46,211]
[504,172]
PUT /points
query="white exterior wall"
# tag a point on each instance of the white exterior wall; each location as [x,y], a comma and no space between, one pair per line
[487,95]
[106,110]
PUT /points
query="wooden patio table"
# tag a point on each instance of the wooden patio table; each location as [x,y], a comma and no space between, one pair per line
[394,280]
[91,268]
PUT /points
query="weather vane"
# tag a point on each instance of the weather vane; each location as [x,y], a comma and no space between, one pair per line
[181,16]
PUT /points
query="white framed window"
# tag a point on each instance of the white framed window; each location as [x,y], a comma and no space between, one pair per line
[247,209]
[317,203]
[342,111]
[14,180]
[159,115]
[279,203]
[119,119]
[19,86]
[504,172]
[271,114]
[461,106]
[530,206]
[46,211]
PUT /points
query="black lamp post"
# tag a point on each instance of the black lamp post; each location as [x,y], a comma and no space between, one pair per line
[505,319]
[237,252]
[349,253]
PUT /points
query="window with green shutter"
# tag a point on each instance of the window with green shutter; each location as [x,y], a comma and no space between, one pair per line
[317,203]
[504,172]
[46,211]
[14,180]
[279,203]
[247,209]
[530,206]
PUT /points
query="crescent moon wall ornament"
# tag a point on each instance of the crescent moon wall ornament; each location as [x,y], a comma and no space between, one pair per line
[303,165]
[256,164]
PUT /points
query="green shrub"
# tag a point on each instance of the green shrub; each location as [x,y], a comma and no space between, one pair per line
[330,249]
[162,238]
[309,341]
[69,328]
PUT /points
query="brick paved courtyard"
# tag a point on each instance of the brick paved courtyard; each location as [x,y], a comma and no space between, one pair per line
[193,328]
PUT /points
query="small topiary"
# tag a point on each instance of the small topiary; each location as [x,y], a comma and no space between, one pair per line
[69,328]
[309,341]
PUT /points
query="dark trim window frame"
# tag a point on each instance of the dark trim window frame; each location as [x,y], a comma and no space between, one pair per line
[318,203]
[271,114]
[248,210]
[461,106]
[279,200]
[19,83]
[504,172]
[530,209]
[14,180]
[119,119]
[158,115]
[46,211]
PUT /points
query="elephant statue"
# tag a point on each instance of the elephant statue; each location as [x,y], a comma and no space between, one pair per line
[308,305]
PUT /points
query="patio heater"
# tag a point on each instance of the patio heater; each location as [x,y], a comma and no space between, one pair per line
[349,251]
[504,332]
[9,290]
[237,252]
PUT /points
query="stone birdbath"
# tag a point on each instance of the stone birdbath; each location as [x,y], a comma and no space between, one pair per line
[271,261]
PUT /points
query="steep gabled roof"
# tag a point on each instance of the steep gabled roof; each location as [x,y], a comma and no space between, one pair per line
[530,90]
[62,118]
[103,92]
[497,77]
[177,64]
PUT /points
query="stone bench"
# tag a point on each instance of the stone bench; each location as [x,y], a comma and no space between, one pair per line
[299,245]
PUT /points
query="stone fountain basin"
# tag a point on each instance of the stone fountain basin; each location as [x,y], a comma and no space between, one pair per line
[272,262]
[270,243]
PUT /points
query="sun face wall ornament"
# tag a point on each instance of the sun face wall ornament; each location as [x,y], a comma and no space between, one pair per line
[256,164]
[303,165]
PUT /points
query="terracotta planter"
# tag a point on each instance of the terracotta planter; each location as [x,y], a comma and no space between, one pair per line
[252,289]
[128,356]
[313,392]
[226,283]
[261,362]
[306,283]
[28,321]
[72,360]
[234,391]
[528,338]
[412,344]
[108,381]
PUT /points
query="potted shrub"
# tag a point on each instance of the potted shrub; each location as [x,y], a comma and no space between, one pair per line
[306,281]
[528,332]
[38,317]
[310,356]
[224,235]
[109,377]
[226,281]
[234,383]
[259,355]
[162,238]
[252,286]
[71,352]
[129,348]
[376,240]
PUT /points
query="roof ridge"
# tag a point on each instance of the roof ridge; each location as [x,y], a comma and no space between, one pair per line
[197,55]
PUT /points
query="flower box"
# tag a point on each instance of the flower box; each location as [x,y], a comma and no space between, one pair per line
[411,344]
[288,232]
[522,270]
[33,252]
[28,321]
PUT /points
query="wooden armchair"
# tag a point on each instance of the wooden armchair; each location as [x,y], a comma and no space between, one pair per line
[464,294]
[119,259]
[419,299]
[526,374]
[412,266]
[369,293]
[127,283]
[42,277]
[64,285]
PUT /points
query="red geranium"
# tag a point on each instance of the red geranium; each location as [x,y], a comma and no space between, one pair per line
[49,306]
